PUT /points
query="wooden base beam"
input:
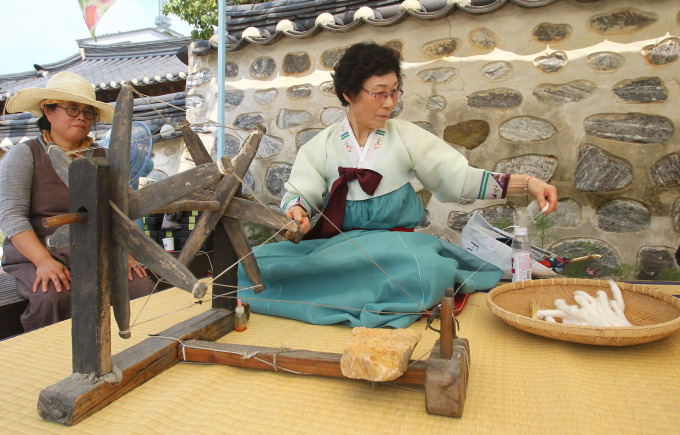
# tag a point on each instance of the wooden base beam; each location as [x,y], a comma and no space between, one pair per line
[79,396]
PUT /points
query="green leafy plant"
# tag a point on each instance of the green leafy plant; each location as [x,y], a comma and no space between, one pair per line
[669,274]
[580,269]
[503,224]
[627,272]
[544,233]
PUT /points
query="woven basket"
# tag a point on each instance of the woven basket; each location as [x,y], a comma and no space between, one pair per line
[654,314]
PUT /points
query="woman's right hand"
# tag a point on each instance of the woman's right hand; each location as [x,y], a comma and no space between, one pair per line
[299,214]
[48,270]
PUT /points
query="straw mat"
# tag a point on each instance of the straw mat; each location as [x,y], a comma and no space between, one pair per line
[519,383]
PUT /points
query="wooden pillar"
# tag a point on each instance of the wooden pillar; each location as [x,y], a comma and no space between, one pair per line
[224,255]
[90,273]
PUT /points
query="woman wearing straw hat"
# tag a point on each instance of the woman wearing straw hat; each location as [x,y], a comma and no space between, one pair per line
[31,190]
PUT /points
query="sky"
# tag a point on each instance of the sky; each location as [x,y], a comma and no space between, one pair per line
[45,31]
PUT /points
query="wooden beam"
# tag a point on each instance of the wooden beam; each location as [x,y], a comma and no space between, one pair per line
[90,277]
[239,241]
[77,397]
[224,281]
[194,144]
[301,361]
[119,159]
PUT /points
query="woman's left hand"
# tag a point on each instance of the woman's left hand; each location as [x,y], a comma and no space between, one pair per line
[136,267]
[542,192]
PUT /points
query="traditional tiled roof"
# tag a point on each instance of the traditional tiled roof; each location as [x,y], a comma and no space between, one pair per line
[145,65]
[154,112]
[265,23]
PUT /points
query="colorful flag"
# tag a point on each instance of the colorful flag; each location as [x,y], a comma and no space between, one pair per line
[93,11]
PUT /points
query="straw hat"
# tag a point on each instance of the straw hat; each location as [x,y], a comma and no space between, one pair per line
[65,86]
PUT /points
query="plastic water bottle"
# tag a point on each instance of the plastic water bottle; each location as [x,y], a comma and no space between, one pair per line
[521,255]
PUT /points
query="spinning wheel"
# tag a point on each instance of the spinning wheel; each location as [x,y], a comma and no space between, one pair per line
[102,232]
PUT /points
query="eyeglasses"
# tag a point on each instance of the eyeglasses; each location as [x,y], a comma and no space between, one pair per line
[73,112]
[382,96]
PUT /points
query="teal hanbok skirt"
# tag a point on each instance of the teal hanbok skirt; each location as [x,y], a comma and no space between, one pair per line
[369,276]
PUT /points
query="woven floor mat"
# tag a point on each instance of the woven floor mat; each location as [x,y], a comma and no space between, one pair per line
[519,383]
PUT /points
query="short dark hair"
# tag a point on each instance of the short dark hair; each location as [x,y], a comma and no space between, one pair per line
[43,123]
[361,61]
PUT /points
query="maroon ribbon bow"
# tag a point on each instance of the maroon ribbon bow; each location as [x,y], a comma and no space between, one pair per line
[337,199]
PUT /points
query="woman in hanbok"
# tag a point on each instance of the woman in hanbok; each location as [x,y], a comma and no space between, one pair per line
[362,264]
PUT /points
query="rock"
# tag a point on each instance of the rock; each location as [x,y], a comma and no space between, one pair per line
[547,32]
[305,136]
[296,63]
[526,129]
[291,118]
[332,115]
[601,267]
[277,176]
[436,103]
[263,68]
[496,71]
[495,98]
[233,99]
[266,95]
[441,48]
[571,92]
[424,125]
[298,92]
[542,167]
[269,146]
[437,76]
[330,57]
[623,21]
[468,134]
[630,127]
[666,171]
[201,77]
[654,261]
[552,62]
[597,171]
[666,51]
[642,90]
[623,216]
[247,121]
[605,61]
[567,215]
[378,354]
[483,38]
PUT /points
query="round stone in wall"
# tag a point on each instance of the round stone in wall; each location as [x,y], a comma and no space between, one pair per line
[296,64]
[330,57]
[327,88]
[232,145]
[440,48]
[622,21]
[233,99]
[666,171]
[496,71]
[663,53]
[676,215]
[305,136]
[499,216]
[230,70]
[500,98]
[542,167]
[642,90]
[249,182]
[425,126]
[457,220]
[291,118]
[265,96]
[436,103]
[426,222]
[598,171]
[299,92]
[655,261]
[247,121]
[605,61]
[332,115]
[276,177]
[437,76]
[630,127]
[483,38]
[623,216]
[197,79]
[551,63]
[269,146]
[395,45]
[601,267]
[526,129]
[263,68]
[567,215]
[468,134]
[571,92]
[194,101]
[548,32]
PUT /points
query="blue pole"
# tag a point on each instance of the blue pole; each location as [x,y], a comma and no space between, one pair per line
[220,77]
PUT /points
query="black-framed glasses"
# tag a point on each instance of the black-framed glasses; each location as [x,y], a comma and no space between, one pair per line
[382,96]
[73,112]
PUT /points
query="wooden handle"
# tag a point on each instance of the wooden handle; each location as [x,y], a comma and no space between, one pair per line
[446,334]
[64,219]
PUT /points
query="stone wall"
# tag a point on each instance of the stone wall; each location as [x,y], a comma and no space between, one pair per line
[582,95]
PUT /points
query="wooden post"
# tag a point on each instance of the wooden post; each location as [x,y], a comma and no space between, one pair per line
[446,331]
[90,274]
[224,255]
